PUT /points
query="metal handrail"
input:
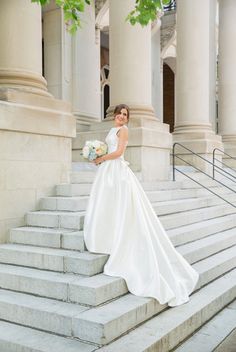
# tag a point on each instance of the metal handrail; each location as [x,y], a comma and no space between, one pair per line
[214,159]
[209,162]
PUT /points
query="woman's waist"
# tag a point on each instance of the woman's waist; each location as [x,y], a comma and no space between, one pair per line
[120,159]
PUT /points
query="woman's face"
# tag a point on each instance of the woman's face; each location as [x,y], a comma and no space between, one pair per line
[122,117]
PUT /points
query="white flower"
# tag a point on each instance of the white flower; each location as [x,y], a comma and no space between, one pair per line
[96,144]
[86,151]
[93,149]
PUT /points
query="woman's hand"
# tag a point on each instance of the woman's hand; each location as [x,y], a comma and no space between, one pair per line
[98,161]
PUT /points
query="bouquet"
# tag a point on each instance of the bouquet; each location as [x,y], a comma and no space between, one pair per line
[94,149]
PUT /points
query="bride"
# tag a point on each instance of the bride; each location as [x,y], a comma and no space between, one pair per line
[121,222]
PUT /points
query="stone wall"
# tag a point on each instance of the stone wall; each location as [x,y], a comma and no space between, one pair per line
[35,154]
[30,166]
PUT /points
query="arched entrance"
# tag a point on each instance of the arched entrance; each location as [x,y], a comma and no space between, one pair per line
[168,96]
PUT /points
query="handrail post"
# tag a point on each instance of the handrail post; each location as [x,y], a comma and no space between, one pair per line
[213,166]
[173,163]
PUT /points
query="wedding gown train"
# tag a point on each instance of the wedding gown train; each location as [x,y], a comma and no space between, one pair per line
[121,222]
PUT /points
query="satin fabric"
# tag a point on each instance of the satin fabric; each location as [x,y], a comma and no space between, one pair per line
[120,221]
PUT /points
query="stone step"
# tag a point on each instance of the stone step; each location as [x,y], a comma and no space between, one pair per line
[76,204]
[78,177]
[228,344]
[70,190]
[79,203]
[165,195]
[155,196]
[215,265]
[207,246]
[67,239]
[16,338]
[100,288]
[192,232]
[53,259]
[45,283]
[207,182]
[178,206]
[74,219]
[165,331]
[86,176]
[48,237]
[40,313]
[172,221]
[86,263]
[56,219]
[213,333]
[64,203]
[103,324]
[80,189]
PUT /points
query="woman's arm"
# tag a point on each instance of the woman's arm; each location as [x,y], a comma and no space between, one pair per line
[123,138]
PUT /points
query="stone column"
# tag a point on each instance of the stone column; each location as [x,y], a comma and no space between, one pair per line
[227,76]
[86,89]
[131,82]
[157,71]
[196,77]
[130,75]
[21,46]
[35,129]
[130,61]
[57,53]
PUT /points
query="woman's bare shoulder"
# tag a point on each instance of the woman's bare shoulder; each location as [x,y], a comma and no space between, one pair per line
[123,131]
[124,128]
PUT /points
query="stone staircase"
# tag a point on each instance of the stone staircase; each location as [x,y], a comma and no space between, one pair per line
[54,296]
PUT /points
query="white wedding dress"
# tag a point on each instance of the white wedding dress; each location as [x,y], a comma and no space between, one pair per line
[120,221]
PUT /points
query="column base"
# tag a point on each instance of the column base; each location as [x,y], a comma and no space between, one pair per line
[201,140]
[24,81]
[148,149]
[26,112]
[84,121]
[136,111]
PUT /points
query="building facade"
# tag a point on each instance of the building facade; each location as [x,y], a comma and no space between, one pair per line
[58,90]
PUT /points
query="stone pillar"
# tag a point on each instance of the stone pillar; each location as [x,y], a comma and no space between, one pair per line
[35,129]
[227,76]
[196,78]
[157,71]
[130,61]
[130,75]
[86,89]
[21,46]
[57,53]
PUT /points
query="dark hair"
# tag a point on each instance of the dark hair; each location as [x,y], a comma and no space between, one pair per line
[118,109]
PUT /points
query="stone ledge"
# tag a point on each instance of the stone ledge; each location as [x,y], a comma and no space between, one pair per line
[37,120]
[26,98]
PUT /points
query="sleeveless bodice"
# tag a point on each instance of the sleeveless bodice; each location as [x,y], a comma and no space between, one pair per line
[112,140]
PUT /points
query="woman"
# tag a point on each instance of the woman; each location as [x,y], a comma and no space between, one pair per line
[120,221]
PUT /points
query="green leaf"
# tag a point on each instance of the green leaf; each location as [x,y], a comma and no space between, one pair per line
[41,2]
[144,11]
[166,2]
